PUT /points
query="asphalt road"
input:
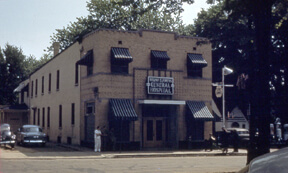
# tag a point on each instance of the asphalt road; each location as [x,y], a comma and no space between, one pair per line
[69,164]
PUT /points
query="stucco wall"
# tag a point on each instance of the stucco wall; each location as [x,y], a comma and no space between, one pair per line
[67,94]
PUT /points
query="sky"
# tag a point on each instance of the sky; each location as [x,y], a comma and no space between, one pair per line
[28,24]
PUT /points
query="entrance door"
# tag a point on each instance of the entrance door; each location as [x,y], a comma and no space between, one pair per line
[154,129]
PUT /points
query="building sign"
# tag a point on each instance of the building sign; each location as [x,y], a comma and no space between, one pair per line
[160,85]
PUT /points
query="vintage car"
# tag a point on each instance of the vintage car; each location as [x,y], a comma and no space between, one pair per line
[7,137]
[31,134]
[271,162]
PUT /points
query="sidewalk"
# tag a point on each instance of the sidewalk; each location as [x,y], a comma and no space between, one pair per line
[78,152]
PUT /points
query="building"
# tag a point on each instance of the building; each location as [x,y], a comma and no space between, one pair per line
[151,89]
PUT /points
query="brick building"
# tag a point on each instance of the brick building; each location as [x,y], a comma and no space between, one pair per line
[152,88]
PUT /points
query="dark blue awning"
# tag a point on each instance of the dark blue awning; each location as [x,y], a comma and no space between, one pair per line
[160,55]
[199,110]
[87,59]
[196,59]
[122,109]
[122,54]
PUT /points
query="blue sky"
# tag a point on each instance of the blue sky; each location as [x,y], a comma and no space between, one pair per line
[28,24]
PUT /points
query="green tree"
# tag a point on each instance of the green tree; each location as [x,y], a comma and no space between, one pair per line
[124,15]
[14,68]
[241,38]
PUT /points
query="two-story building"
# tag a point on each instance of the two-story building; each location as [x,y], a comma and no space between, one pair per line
[150,88]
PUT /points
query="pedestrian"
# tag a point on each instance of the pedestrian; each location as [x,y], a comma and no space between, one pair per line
[225,142]
[97,139]
[235,138]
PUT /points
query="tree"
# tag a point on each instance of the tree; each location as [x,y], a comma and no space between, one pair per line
[14,68]
[241,38]
[124,15]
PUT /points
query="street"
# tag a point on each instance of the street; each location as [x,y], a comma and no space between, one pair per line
[64,160]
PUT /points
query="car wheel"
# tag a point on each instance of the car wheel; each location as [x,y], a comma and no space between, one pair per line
[43,144]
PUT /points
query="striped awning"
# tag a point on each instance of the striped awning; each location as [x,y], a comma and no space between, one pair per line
[87,59]
[122,54]
[122,109]
[199,110]
[196,59]
[160,55]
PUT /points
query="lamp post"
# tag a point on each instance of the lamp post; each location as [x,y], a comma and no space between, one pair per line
[225,71]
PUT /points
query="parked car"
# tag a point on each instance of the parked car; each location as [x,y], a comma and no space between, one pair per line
[271,162]
[31,134]
[7,137]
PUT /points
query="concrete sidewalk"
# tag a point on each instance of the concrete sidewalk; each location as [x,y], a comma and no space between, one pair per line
[78,152]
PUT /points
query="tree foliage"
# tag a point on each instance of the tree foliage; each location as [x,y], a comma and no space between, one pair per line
[15,67]
[124,15]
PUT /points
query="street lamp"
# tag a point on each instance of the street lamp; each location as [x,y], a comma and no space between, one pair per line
[225,71]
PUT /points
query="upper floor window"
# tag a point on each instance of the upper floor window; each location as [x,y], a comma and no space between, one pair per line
[49,83]
[36,87]
[120,59]
[195,64]
[159,60]
[87,60]
[42,84]
[58,80]
[32,87]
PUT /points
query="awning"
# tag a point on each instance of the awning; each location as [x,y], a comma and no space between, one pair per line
[87,59]
[16,107]
[160,55]
[122,109]
[22,86]
[196,59]
[199,110]
[122,54]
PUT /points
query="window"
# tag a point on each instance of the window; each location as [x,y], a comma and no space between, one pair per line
[43,117]
[38,118]
[120,59]
[34,116]
[60,116]
[195,64]
[87,60]
[194,71]
[49,84]
[58,80]
[42,85]
[73,113]
[90,108]
[120,67]
[89,69]
[36,87]
[76,74]
[158,64]
[48,117]
[32,86]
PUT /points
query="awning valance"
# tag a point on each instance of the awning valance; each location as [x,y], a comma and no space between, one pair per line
[121,54]
[199,110]
[87,59]
[160,55]
[196,59]
[122,109]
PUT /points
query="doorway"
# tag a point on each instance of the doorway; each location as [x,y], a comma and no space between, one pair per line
[154,130]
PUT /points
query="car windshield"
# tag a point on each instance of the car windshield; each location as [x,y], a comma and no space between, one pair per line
[5,127]
[32,129]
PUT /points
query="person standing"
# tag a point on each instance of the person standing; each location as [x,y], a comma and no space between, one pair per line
[97,139]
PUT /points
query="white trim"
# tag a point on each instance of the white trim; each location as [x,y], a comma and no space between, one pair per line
[162,102]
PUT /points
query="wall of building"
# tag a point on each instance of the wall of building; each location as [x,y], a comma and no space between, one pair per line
[133,85]
[67,94]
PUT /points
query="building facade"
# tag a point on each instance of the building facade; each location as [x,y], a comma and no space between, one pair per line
[147,89]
